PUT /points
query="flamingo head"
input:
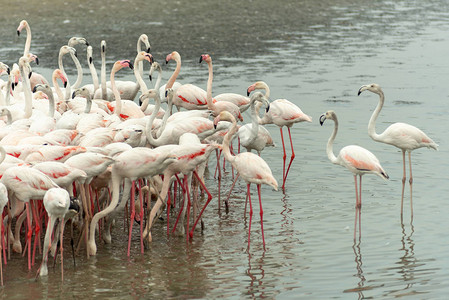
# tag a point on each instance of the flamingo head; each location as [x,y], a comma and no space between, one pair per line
[59,74]
[144,39]
[259,85]
[206,58]
[103,46]
[329,115]
[155,66]
[174,55]
[146,56]
[22,25]
[77,40]
[224,116]
[123,64]
[4,68]
[373,87]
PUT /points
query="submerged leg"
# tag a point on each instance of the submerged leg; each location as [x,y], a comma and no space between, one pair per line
[261,215]
[411,183]
[403,181]
[250,214]
[292,157]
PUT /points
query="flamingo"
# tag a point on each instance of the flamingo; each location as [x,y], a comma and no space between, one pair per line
[218,106]
[133,164]
[35,77]
[251,167]
[282,113]
[123,109]
[56,203]
[188,95]
[72,43]
[356,159]
[104,92]
[25,184]
[401,135]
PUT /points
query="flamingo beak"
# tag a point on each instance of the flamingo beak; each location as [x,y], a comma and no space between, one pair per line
[322,119]
[268,108]
[29,75]
[73,94]
[201,58]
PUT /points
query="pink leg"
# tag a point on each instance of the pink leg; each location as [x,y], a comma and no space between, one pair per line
[250,214]
[291,159]
[360,207]
[209,198]
[29,234]
[189,204]
[168,213]
[133,213]
[1,250]
[141,216]
[181,208]
[261,215]
[283,157]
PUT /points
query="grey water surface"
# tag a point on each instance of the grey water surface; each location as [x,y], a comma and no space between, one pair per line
[317,54]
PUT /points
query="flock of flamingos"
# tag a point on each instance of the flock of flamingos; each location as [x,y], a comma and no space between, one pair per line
[86,150]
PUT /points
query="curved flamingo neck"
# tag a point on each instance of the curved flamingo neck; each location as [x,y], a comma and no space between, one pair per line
[92,69]
[167,114]
[118,99]
[330,143]
[79,70]
[26,91]
[104,93]
[149,127]
[8,116]
[266,88]
[210,103]
[56,85]
[175,74]
[227,140]
[372,121]
[28,40]
[138,62]
[2,154]
[254,121]
[61,67]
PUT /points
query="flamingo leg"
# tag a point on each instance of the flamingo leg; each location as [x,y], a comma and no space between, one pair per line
[403,181]
[411,183]
[360,208]
[168,213]
[189,204]
[261,215]
[29,234]
[250,214]
[229,195]
[283,157]
[1,249]
[133,213]
[62,223]
[292,157]
[209,198]
[356,205]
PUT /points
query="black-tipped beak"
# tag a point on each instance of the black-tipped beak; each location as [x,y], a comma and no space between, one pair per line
[148,50]
[29,74]
[268,108]
[34,89]
[151,77]
[322,118]
[247,93]
[131,66]
[76,54]
[166,93]
[359,92]
[8,71]
[103,48]
[87,43]
[65,84]
[90,60]
[18,33]
[166,61]
[215,126]
[73,95]
[201,59]
[37,61]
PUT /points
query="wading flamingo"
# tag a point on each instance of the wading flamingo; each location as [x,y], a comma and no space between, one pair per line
[356,159]
[251,167]
[282,113]
[404,136]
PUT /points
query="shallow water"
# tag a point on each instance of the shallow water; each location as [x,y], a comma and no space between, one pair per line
[316,54]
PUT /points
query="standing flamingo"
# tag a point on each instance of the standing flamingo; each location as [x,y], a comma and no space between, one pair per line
[404,136]
[251,167]
[218,106]
[356,159]
[56,203]
[282,113]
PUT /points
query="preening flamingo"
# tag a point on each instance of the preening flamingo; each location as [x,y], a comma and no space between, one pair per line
[356,159]
[282,113]
[401,135]
[251,167]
